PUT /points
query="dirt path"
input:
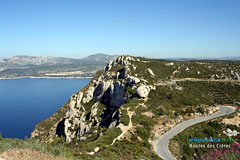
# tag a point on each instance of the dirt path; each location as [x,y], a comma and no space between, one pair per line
[123,128]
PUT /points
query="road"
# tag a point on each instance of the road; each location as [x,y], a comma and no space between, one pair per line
[163,142]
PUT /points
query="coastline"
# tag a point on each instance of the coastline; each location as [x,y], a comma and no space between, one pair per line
[1,78]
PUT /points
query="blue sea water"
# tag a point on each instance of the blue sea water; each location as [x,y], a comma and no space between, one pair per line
[25,102]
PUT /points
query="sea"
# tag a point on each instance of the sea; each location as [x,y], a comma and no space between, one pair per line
[26,102]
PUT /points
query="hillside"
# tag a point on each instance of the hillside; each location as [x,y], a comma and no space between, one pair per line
[52,67]
[127,106]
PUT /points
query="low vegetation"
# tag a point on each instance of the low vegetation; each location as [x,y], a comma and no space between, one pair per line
[211,129]
[33,149]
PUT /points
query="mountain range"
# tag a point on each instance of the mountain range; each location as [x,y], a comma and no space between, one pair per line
[21,66]
[205,58]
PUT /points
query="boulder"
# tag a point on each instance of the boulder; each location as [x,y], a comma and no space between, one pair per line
[236,76]
[134,67]
[132,80]
[96,149]
[143,91]
[170,64]
[229,131]
[235,133]
[150,72]
[90,153]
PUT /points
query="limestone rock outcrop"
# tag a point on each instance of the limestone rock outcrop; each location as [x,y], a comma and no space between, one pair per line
[97,105]
[133,80]
[150,72]
[143,91]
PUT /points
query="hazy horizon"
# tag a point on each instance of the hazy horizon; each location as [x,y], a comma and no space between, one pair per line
[129,55]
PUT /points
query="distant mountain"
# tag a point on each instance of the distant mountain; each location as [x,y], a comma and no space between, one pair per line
[205,58]
[32,66]
[100,57]
[23,60]
[229,58]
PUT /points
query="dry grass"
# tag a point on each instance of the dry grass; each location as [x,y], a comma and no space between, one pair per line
[174,148]
[148,114]
[27,154]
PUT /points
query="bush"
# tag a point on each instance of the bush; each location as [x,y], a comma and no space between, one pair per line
[131,91]
[142,120]
[124,117]
[161,112]
[201,110]
[215,124]
[56,151]
[143,133]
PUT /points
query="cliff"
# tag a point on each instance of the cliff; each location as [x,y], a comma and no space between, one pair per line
[98,103]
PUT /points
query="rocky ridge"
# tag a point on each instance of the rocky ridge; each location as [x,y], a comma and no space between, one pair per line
[98,104]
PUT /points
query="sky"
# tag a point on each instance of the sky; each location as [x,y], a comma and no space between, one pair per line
[149,28]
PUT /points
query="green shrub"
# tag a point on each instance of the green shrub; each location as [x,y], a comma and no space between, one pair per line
[161,111]
[201,110]
[143,120]
[131,91]
[124,117]
[143,133]
[56,151]
[215,125]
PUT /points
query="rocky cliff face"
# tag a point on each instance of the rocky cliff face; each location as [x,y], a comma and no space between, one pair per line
[97,105]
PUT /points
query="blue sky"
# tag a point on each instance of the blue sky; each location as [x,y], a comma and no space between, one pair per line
[151,28]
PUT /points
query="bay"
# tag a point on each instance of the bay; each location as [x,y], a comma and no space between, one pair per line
[26,102]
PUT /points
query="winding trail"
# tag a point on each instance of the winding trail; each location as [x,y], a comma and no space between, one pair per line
[163,142]
[123,128]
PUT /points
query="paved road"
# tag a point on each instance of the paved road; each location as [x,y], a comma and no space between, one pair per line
[162,144]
